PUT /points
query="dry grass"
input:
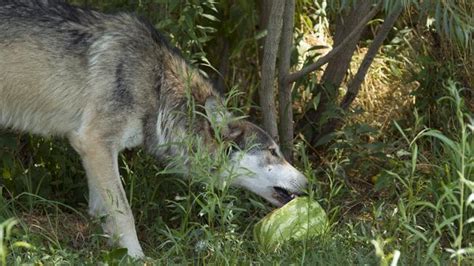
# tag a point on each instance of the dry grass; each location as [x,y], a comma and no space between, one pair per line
[383,97]
[59,227]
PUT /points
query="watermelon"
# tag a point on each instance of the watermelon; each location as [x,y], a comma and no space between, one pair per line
[300,219]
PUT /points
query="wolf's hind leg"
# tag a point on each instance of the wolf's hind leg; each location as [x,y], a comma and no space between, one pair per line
[106,194]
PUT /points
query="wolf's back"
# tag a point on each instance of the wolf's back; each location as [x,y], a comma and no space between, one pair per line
[56,58]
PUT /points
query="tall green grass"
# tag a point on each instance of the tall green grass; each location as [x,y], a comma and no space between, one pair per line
[425,217]
[454,205]
[436,186]
[422,215]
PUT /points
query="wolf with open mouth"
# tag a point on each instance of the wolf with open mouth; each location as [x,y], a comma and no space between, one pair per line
[111,82]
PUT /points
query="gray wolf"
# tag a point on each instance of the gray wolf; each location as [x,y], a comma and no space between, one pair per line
[111,82]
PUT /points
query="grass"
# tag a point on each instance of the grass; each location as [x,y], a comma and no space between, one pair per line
[180,221]
[418,211]
[403,194]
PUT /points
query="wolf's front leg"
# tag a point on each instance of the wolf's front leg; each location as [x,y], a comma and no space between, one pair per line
[106,194]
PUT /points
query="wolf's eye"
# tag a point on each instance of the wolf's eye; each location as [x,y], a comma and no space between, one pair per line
[273,152]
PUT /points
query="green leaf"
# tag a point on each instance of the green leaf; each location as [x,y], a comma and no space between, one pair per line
[431,249]
[325,139]
[418,233]
[260,34]
[115,254]
[435,133]
[22,244]
[316,101]
[210,17]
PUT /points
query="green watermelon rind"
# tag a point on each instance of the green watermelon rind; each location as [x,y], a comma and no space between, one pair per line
[300,219]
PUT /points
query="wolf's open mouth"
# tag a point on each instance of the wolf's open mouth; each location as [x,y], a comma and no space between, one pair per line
[283,195]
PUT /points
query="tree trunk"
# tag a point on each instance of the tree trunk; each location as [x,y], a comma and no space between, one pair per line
[284,95]
[337,67]
[265,9]
[264,16]
[352,24]
[270,50]
[223,67]
[382,33]
[356,82]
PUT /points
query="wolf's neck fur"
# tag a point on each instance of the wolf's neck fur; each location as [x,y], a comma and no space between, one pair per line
[180,116]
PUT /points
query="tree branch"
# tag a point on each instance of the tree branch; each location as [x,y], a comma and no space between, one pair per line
[325,59]
[354,87]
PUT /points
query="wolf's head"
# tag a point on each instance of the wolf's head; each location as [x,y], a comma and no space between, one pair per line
[260,166]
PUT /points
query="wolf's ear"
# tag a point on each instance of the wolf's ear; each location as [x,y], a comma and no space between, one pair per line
[221,120]
[215,111]
[234,131]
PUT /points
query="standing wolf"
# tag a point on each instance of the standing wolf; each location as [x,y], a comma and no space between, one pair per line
[111,82]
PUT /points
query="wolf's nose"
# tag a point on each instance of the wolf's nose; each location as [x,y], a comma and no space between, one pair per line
[304,185]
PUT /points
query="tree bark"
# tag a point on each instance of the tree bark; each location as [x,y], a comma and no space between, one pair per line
[286,128]
[265,9]
[270,50]
[337,68]
[264,16]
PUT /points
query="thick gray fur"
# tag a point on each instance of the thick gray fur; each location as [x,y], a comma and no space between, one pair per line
[109,82]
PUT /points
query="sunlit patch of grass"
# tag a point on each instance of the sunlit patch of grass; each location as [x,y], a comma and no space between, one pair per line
[386,93]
